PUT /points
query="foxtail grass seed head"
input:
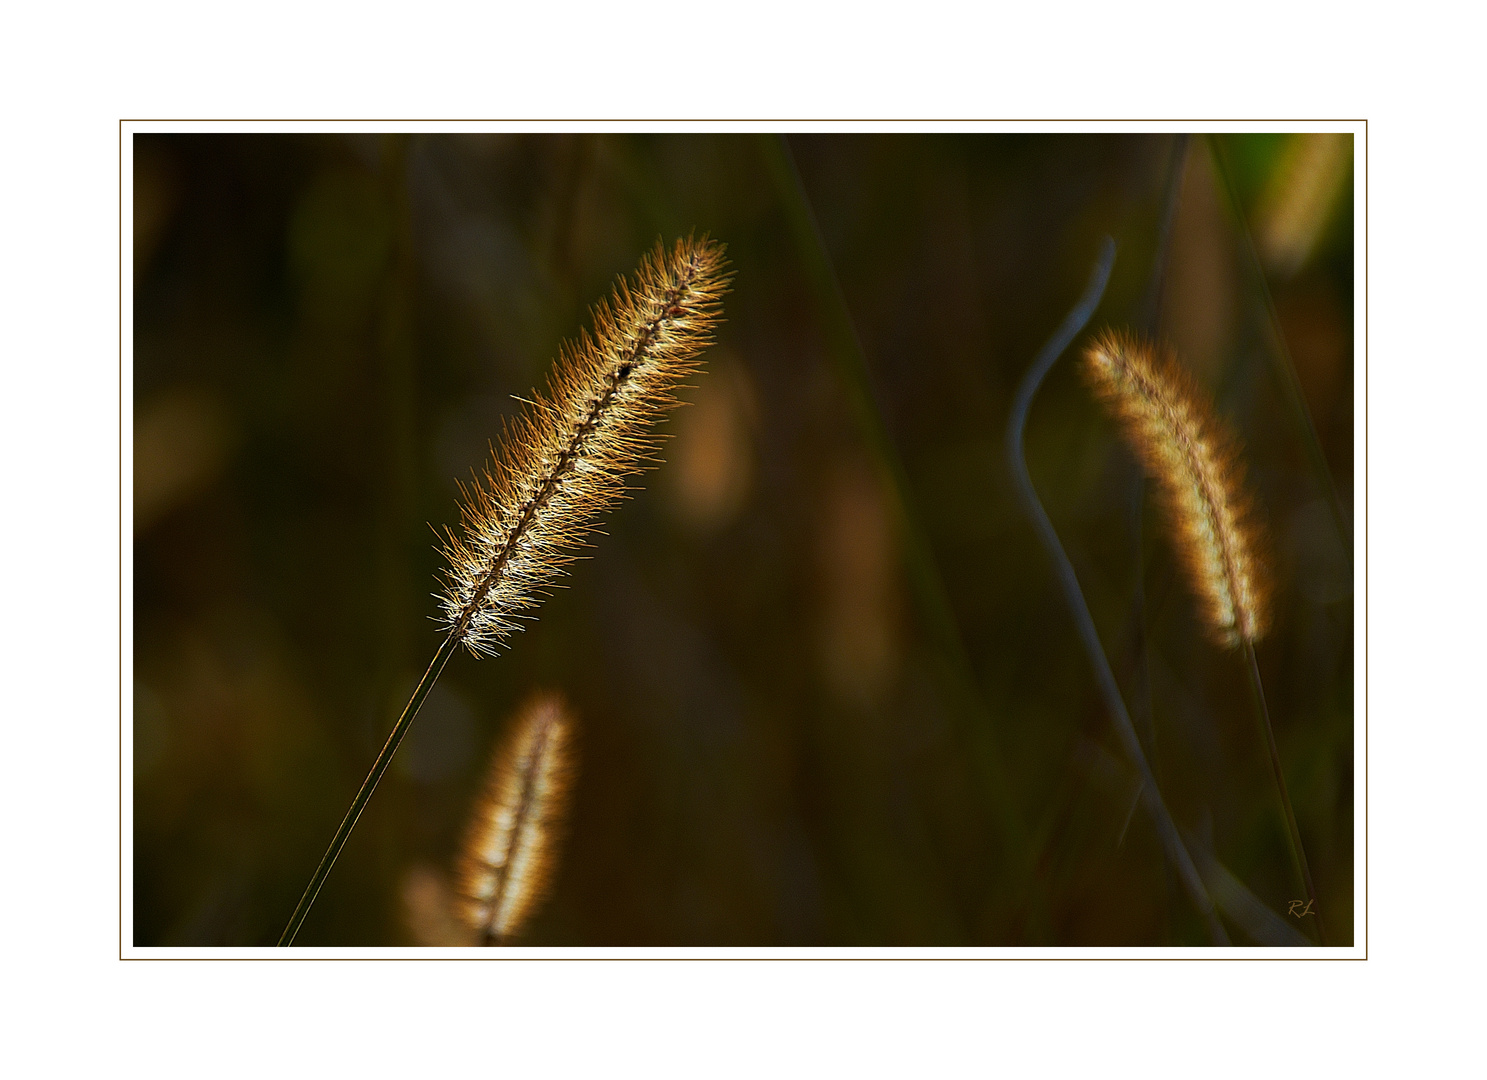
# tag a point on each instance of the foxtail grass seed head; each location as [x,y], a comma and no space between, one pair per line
[1196,466]
[564,460]
[1300,197]
[511,847]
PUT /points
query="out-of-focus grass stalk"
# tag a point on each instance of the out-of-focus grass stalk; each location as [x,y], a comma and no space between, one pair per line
[1151,303]
[1285,367]
[928,586]
[1293,833]
[1069,582]
[1151,316]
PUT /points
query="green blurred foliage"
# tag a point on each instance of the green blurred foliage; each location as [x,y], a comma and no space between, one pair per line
[774,748]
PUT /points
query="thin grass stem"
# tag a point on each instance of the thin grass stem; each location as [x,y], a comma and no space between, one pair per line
[1293,834]
[1285,367]
[1151,317]
[1151,312]
[1069,581]
[369,785]
[1151,305]
[925,580]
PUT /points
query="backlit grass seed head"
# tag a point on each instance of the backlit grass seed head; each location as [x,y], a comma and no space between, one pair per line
[511,847]
[564,460]
[1195,463]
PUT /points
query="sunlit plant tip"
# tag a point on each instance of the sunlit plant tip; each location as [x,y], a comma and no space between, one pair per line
[511,847]
[1195,462]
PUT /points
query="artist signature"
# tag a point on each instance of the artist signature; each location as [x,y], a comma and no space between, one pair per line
[1300,908]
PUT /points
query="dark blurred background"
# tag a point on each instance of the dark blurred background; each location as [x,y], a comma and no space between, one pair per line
[828,692]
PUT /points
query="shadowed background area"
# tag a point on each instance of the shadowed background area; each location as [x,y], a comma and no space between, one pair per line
[826,689]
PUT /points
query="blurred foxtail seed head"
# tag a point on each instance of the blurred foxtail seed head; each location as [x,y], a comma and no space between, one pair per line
[512,844]
[1196,465]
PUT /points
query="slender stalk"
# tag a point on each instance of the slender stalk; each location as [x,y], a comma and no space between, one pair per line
[358,804]
[1069,581]
[1151,311]
[929,585]
[925,580]
[1285,367]
[1145,710]
[1293,834]
[1151,306]
[1151,317]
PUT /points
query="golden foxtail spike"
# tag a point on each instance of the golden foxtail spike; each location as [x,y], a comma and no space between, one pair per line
[511,847]
[564,460]
[1195,463]
[560,464]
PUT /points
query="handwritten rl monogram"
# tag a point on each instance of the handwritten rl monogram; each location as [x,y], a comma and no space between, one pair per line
[1301,907]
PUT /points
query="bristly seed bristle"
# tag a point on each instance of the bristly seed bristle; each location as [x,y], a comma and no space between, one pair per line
[564,459]
[511,846]
[1195,463]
